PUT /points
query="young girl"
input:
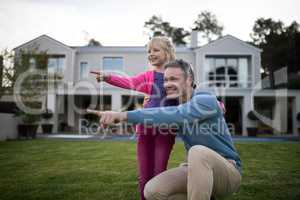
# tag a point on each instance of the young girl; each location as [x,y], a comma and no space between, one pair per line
[153,146]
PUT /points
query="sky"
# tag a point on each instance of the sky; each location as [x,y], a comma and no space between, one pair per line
[121,23]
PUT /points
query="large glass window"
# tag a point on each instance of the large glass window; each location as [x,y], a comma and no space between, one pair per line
[113,64]
[227,71]
[243,72]
[84,70]
[56,65]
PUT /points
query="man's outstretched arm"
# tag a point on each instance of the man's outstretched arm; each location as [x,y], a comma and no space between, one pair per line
[198,108]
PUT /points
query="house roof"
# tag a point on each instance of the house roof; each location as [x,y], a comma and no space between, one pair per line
[41,37]
[88,49]
[226,37]
[127,49]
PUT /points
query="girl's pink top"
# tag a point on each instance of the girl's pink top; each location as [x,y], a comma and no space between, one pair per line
[142,82]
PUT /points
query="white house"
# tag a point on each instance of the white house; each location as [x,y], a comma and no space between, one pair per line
[227,66]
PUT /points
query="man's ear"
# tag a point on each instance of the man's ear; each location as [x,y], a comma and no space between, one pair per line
[189,81]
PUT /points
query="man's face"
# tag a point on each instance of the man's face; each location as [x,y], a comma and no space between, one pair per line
[175,83]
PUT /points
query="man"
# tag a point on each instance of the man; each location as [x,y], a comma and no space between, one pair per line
[213,167]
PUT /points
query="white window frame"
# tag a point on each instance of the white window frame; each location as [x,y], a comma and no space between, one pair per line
[81,76]
[113,57]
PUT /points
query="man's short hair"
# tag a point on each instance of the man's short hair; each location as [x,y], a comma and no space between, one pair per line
[185,67]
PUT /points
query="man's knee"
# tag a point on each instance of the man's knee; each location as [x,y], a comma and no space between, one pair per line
[166,184]
[200,152]
[154,191]
[158,188]
[148,190]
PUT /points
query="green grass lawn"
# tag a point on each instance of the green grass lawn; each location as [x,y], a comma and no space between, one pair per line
[55,169]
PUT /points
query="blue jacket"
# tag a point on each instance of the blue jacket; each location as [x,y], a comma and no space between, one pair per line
[200,122]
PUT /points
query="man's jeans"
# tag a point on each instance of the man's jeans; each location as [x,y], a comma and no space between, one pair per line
[205,175]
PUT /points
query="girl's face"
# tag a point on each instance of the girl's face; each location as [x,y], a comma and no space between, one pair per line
[156,55]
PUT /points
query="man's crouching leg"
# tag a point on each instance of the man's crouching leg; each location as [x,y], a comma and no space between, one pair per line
[209,174]
[171,184]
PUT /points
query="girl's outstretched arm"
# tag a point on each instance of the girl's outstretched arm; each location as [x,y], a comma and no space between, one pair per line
[139,82]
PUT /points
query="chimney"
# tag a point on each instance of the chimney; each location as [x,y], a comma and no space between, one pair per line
[194,39]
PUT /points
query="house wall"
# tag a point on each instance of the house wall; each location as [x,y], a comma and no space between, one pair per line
[8,128]
[228,47]
[135,61]
[53,47]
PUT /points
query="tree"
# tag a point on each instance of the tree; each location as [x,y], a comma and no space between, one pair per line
[293,36]
[158,27]
[94,43]
[208,25]
[154,24]
[7,71]
[1,69]
[178,36]
[264,27]
[26,75]
[280,45]
[1,76]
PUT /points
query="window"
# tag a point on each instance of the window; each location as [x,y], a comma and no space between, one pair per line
[113,64]
[56,65]
[243,71]
[227,71]
[85,101]
[84,70]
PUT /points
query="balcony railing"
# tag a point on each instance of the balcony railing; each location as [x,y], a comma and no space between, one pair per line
[228,81]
